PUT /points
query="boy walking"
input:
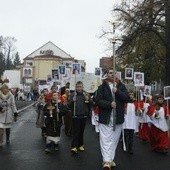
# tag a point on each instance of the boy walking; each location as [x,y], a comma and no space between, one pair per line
[159,128]
[79,102]
[53,111]
[129,124]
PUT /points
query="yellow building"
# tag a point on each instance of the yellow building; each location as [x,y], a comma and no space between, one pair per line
[37,66]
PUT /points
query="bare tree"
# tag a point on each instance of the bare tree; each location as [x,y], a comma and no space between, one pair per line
[9,50]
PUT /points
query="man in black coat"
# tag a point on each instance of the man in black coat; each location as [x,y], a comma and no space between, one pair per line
[108,136]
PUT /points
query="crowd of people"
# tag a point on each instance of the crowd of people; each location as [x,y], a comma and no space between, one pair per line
[57,108]
[146,118]
[117,113]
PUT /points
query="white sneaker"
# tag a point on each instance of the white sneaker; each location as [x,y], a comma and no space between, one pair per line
[113,164]
[106,165]
[47,150]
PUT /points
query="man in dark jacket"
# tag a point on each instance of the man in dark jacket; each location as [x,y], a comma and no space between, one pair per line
[79,102]
[108,136]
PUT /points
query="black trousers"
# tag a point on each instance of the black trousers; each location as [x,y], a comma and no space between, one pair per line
[78,125]
[129,134]
[68,123]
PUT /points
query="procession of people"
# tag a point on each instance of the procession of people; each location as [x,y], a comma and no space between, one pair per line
[116,111]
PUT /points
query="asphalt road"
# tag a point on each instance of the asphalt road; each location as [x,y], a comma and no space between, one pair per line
[22,104]
[26,151]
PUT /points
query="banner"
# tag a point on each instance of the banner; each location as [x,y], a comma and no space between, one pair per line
[90,82]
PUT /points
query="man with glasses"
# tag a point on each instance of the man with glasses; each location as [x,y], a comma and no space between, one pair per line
[108,136]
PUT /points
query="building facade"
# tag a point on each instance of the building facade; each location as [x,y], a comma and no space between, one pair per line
[37,66]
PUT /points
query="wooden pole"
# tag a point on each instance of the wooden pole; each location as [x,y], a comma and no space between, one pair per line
[75,79]
[114,77]
[168,123]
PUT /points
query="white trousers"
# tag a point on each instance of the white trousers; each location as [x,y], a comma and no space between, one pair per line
[109,140]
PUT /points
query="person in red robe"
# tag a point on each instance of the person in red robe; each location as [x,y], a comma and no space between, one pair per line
[159,128]
[144,129]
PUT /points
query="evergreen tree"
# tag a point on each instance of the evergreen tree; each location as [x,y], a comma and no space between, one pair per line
[16,60]
[2,64]
[8,62]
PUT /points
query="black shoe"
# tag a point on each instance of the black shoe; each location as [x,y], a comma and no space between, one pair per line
[130,152]
[56,147]
[69,134]
[163,151]
[145,141]
[7,142]
[48,148]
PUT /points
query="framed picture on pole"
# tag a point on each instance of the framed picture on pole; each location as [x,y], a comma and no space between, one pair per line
[62,69]
[118,75]
[129,73]
[147,91]
[55,74]
[67,73]
[76,69]
[167,92]
[138,79]
[98,71]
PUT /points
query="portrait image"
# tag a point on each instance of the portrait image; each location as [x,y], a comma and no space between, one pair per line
[76,69]
[62,69]
[167,92]
[49,79]
[118,75]
[55,74]
[129,73]
[98,71]
[67,73]
[138,79]
[147,91]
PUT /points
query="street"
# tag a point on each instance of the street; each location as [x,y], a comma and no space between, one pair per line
[26,151]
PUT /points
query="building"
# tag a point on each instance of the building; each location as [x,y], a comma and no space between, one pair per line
[106,62]
[37,66]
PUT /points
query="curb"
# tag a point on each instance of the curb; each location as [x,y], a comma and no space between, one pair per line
[20,110]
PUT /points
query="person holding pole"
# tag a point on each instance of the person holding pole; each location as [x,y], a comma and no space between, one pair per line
[143,119]
[109,135]
[129,124]
[79,102]
[159,129]
[54,110]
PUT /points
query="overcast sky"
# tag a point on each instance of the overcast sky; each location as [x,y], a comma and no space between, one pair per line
[73,25]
